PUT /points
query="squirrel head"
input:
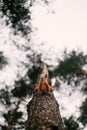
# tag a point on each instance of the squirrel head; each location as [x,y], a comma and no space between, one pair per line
[43,77]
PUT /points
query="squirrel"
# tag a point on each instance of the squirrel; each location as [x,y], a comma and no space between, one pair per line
[43,85]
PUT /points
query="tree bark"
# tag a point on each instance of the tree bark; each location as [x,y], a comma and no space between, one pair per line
[43,113]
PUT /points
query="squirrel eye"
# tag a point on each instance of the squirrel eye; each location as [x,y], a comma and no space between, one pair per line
[45,75]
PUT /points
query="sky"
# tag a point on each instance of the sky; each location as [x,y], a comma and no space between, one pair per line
[62,25]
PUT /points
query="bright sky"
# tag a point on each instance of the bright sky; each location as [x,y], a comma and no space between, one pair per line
[66,27]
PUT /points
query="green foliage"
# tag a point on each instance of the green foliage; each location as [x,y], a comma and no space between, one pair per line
[83,109]
[21,88]
[33,72]
[84,88]
[69,68]
[71,124]
[18,15]
[3,60]
[11,115]
[5,97]
[18,115]
[71,63]
[13,118]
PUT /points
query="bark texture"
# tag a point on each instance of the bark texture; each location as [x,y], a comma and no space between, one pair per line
[43,113]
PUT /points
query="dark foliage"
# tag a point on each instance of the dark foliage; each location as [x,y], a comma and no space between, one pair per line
[18,115]
[69,69]
[5,97]
[71,124]
[84,88]
[18,15]
[36,68]
[83,117]
[21,89]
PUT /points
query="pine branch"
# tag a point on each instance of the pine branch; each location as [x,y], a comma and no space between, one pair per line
[13,117]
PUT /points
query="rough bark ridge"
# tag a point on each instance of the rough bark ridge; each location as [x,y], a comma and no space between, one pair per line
[43,113]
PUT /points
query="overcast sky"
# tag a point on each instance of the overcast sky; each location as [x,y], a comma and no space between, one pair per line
[65,27]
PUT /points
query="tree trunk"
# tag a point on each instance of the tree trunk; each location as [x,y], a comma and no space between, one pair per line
[43,113]
[43,109]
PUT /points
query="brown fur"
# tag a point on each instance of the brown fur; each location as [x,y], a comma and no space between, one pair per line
[43,85]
